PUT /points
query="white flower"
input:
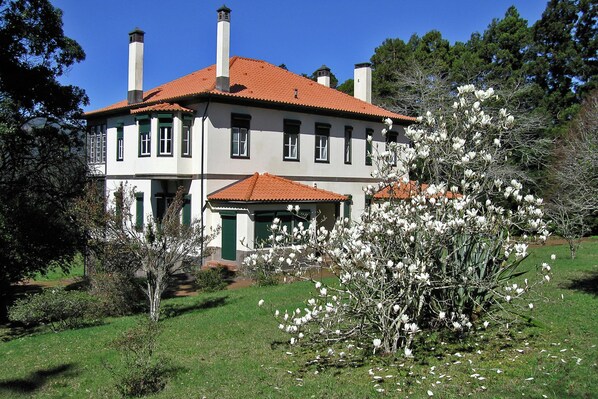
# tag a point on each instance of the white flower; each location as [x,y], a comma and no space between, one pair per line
[323,291]
[408,352]
[486,324]
[260,303]
[441,315]
[290,208]
[430,393]
[318,284]
[553,257]
[531,305]
[377,342]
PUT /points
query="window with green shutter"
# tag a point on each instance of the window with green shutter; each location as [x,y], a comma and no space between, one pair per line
[187,210]
[120,143]
[139,211]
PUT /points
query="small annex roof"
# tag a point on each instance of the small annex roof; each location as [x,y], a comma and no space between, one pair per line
[270,188]
[407,190]
[162,107]
[259,81]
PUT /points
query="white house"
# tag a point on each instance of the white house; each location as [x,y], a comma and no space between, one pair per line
[244,138]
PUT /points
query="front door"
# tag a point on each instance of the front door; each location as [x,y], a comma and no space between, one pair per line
[229,235]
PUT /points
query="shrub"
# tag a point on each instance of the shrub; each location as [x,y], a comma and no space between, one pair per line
[141,372]
[212,279]
[118,294]
[57,307]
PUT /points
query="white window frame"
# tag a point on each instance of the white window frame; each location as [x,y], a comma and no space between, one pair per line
[240,142]
[165,140]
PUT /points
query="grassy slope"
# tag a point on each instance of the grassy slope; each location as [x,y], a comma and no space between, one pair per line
[224,346]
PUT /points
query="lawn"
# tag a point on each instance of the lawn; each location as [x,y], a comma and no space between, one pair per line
[223,345]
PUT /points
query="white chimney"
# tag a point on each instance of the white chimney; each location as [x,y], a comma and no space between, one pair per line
[362,80]
[323,75]
[223,49]
[135,93]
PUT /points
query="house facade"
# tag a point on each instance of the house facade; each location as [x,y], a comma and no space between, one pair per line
[244,139]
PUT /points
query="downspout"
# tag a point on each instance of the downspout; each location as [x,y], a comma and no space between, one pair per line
[202,177]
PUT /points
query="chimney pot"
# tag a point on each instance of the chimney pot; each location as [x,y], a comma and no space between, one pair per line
[323,75]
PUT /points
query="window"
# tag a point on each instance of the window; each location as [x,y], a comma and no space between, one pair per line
[392,137]
[165,136]
[144,137]
[239,146]
[186,136]
[96,144]
[163,201]
[347,147]
[369,134]
[322,140]
[120,144]
[264,220]
[291,140]
[139,211]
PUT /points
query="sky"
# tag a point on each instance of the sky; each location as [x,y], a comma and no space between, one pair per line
[180,35]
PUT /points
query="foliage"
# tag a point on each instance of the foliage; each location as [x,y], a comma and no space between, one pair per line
[41,167]
[141,372]
[162,248]
[212,279]
[441,259]
[574,197]
[118,294]
[59,308]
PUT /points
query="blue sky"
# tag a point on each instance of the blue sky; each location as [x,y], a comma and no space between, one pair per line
[303,34]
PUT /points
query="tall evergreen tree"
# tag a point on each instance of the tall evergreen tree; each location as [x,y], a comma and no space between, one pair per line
[41,165]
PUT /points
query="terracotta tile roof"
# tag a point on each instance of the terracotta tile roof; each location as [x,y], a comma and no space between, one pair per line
[162,107]
[258,80]
[406,191]
[269,188]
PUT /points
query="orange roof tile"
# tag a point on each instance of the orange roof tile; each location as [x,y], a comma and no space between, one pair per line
[164,107]
[269,188]
[406,191]
[258,80]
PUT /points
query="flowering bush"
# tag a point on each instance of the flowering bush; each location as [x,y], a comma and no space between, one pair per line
[442,258]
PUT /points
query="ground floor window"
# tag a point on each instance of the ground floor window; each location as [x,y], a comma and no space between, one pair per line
[264,220]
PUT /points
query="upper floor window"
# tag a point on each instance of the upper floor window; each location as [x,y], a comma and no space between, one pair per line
[369,134]
[239,147]
[322,141]
[145,137]
[347,147]
[165,136]
[186,136]
[120,143]
[96,144]
[291,140]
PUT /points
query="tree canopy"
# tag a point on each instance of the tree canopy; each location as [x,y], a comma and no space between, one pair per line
[41,164]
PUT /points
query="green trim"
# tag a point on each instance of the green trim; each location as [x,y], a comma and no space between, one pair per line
[228,213]
[188,117]
[145,126]
[165,115]
[141,117]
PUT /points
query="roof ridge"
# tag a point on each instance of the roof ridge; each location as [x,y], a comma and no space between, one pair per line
[252,184]
[303,185]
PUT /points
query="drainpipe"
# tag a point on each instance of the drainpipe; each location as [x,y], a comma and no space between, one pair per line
[202,178]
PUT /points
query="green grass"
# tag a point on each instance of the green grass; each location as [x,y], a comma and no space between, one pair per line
[224,346]
[56,273]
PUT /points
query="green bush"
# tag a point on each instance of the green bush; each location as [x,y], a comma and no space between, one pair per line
[141,372]
[212,279]
[57,307]
[118,294]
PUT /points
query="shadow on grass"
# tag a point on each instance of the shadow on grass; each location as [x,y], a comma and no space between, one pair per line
[587,283]
[172,310]
[37,379]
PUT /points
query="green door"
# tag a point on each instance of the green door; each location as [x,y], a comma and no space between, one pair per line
[229,235]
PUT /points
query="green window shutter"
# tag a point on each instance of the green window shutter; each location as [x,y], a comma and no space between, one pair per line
[139,210]
[144,126]
[263,221]
[187,210]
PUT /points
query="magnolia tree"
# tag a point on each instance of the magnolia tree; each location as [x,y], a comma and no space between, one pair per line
[442,259]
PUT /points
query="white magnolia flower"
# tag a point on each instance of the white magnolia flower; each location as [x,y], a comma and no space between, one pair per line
[377,342]
[260,303]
